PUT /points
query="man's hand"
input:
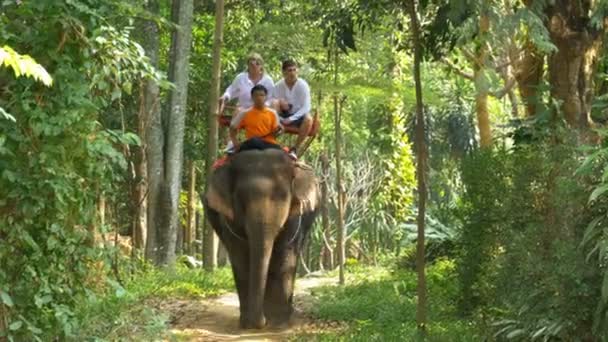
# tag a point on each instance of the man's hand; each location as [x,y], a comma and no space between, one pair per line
[278,131]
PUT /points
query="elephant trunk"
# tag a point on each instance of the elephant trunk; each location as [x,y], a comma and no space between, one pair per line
[260,251]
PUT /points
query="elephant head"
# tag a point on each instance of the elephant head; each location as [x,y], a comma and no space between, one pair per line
[262,205]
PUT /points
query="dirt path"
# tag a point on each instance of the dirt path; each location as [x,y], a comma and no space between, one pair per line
[217,319]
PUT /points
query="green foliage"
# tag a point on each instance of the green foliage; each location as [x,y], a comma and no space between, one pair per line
[521,263]
[380,306]
[56,159]
[484,175]
[595,238]
[24,65]
[131,312]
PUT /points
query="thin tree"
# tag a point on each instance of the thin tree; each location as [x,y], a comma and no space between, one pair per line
[338,141]
[326,250]
[190,231]
[481,82]
[421,153]
[210,240]
[154,136]
[175,114]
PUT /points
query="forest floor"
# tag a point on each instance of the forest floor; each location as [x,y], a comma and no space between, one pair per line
[217,319]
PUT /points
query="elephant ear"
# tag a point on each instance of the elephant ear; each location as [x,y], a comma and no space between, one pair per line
[218,192]
[305,190]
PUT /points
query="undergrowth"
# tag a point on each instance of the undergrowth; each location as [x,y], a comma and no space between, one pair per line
[129,313]
[380,305]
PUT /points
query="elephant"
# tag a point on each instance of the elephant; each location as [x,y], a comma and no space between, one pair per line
[262,206]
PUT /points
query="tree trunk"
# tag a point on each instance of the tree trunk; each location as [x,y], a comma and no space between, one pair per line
[421,153]
[338,141]
[211,242]
[481,81]
[528,73]
[154,137]
[139,192]
[222,255]
[190,231]
[339,191]
[327,251]
[176,114]
[572,67]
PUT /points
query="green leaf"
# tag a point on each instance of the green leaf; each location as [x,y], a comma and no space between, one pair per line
[6,299]
[598,192]
[605,288]
[5,115]
[515,333]
[24,65]
[15,325]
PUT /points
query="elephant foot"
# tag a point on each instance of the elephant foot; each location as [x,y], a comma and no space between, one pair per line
[279,318]
[279,324]
[258,323]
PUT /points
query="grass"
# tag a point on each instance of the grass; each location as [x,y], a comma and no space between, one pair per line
[129,313]
[379,305]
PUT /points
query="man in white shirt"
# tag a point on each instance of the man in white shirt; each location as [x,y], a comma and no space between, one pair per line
[241,87]
[292,102]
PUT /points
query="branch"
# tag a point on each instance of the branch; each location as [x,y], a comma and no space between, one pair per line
[457,69]
[471,56]
[505,90]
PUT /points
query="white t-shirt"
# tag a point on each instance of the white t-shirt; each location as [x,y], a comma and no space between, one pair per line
[241,89]
[298,96]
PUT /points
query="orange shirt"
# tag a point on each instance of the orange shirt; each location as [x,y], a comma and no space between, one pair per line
[260,123]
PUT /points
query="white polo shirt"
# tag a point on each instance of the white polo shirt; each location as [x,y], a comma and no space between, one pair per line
[298,96]
[241,89]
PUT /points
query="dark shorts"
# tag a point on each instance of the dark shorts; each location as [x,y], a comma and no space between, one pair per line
[256,144]
[296,123]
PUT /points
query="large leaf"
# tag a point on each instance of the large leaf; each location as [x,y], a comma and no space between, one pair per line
[24,65]
[6,299]
[598,192]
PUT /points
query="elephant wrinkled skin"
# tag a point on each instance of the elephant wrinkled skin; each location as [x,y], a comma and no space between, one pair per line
[261,205]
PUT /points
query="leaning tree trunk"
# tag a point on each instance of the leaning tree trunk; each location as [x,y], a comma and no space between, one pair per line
[421,153]
[154,137]
[176,114]
[573,65]
[210,242]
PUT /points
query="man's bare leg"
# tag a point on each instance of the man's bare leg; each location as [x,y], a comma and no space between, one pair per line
[303,131]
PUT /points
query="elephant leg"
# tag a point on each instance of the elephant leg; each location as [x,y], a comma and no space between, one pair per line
[239,258]
[238,252]
[278,300]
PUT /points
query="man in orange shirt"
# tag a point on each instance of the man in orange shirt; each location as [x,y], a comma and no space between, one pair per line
[261,124]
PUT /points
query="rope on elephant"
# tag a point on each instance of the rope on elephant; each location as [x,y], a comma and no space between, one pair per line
[227,226]
[299,222]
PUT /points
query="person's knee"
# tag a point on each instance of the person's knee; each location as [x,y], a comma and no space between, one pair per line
[307,122]
[276,105]
[283,105]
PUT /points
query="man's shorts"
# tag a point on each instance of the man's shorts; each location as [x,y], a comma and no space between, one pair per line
[296,123]
[257,144]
